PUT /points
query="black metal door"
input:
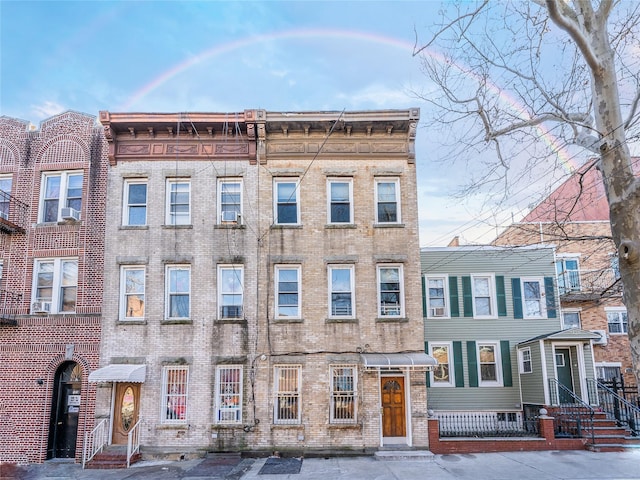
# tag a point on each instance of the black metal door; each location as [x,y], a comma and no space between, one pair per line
[65,409]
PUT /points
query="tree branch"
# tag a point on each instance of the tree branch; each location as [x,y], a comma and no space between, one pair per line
[634,108]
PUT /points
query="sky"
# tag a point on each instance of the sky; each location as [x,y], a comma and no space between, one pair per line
[222,56]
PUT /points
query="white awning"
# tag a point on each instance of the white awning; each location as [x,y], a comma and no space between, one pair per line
[388,361]
[122,373]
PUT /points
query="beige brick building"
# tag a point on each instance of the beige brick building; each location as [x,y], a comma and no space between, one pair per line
[257,266]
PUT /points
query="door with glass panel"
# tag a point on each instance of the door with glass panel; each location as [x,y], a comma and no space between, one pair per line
[125,413]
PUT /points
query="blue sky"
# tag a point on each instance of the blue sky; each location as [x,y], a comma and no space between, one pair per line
[167,56]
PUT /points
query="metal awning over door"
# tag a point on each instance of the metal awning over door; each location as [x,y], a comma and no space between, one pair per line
[123,373]
[394,361]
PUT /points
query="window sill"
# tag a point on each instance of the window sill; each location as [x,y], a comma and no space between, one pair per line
[178,227]
[340,226]
[131,322]
[288,320]
[388,225]
[232,226]
[278,226]
[392,320]
[341,320]
[239,321]
[134,227]
[348,426]
[176,321]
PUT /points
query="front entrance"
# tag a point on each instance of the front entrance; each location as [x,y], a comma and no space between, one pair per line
[65,409]
[565,377]
[394,422]
[125,411]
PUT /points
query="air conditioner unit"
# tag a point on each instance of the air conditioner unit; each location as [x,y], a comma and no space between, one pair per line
[603,337]
[229,216]
[69,213]
[41,307]
[438,311]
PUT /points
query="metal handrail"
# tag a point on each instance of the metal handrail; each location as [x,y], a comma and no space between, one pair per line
[574,417]
[133,442]
[94,441]
[619,408]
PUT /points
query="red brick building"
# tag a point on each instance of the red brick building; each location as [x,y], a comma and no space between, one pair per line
[52,190]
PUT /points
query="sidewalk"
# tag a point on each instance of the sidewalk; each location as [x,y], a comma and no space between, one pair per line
[554,465]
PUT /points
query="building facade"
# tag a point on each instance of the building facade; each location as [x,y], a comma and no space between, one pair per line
[52,190]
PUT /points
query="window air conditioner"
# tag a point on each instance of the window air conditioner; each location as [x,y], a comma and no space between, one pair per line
[69,213]
[438,311]
[603,337]
[41,307]
[229,216]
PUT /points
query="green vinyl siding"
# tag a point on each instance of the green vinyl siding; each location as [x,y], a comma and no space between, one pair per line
[532,384]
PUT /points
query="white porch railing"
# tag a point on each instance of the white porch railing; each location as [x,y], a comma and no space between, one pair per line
[95,440]
[133,442]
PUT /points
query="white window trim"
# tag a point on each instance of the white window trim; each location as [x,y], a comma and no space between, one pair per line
[168,269]
[398,197]
[499,382]
[218,398]
[296,197]
[543,298]
[521,361]
[221,182]
[168,217]
[351,269]
[298,395]
[401,280]
[348,181]
[238,270]
[56,288]
[333,397]
[277,289]
[617,310]
[452,380]
[164,399]
[571,310]
[126,205]
[123,292]
[447,310]
[62,198]
[492,294]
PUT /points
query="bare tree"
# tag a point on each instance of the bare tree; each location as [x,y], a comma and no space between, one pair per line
[508,75]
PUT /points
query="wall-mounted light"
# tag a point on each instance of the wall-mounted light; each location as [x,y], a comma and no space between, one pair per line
[40,381]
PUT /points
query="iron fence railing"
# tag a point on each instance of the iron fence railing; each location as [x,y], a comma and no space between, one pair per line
[486,424]
[613,403]
[581,281]
[10,307]
[13,213]
[573,416]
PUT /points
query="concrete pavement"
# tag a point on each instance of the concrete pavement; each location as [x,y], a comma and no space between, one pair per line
[552,465]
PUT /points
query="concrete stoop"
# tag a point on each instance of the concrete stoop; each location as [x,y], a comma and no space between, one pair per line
[403,455]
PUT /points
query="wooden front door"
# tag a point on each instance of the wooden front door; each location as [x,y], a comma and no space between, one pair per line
[393,411]
[125,412]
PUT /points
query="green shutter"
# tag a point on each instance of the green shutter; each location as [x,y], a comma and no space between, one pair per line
[424,297]
[457,364]
[505,353]
[549,291]
[502,300]
[466,297]
[454,302]
[472,358]
[426,350]
[517,298]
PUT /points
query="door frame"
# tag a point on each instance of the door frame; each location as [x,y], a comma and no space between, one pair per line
[575,348]
[407,407]
[114,390]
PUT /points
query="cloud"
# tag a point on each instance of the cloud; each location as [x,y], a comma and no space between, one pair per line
[47,109]
[376,95]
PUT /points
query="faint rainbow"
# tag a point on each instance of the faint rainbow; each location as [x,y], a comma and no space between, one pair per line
[551,140]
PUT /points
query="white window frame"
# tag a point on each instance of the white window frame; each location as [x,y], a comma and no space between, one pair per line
[286,394]
[228,395]
[58,283]
[125,294]
[343,396]
[524,359]
[434,382]
[381,309]
[542,300]
[431,312]
[227,290]
[63,194]
[5,195]
[222,182]
[618,311]
[498,364]
[396,182]
[492,294]
[128,205]
[295,199]
[577,311]
[330,202]
[173,218]
[169,293]
[172,398]
[565,274]
[278,306]
[351,291]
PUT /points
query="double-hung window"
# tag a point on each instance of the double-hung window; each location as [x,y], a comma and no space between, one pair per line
[286,210]
[178,291]
[340,196]
[55,285]
[287,400]
[175,382]
[568,272]
[442,374]
[60,190]
[230,290]
[228,396]
[341,290]
[617,320]
[135,202]
[525,363]
[437,294]
[484,296]
[288,292]
[489,364]
[533,298]
[132,281]
[390,291]
[387,200]
[229,200]
[178,201]
[343,394]
[570,319]
[5,196]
